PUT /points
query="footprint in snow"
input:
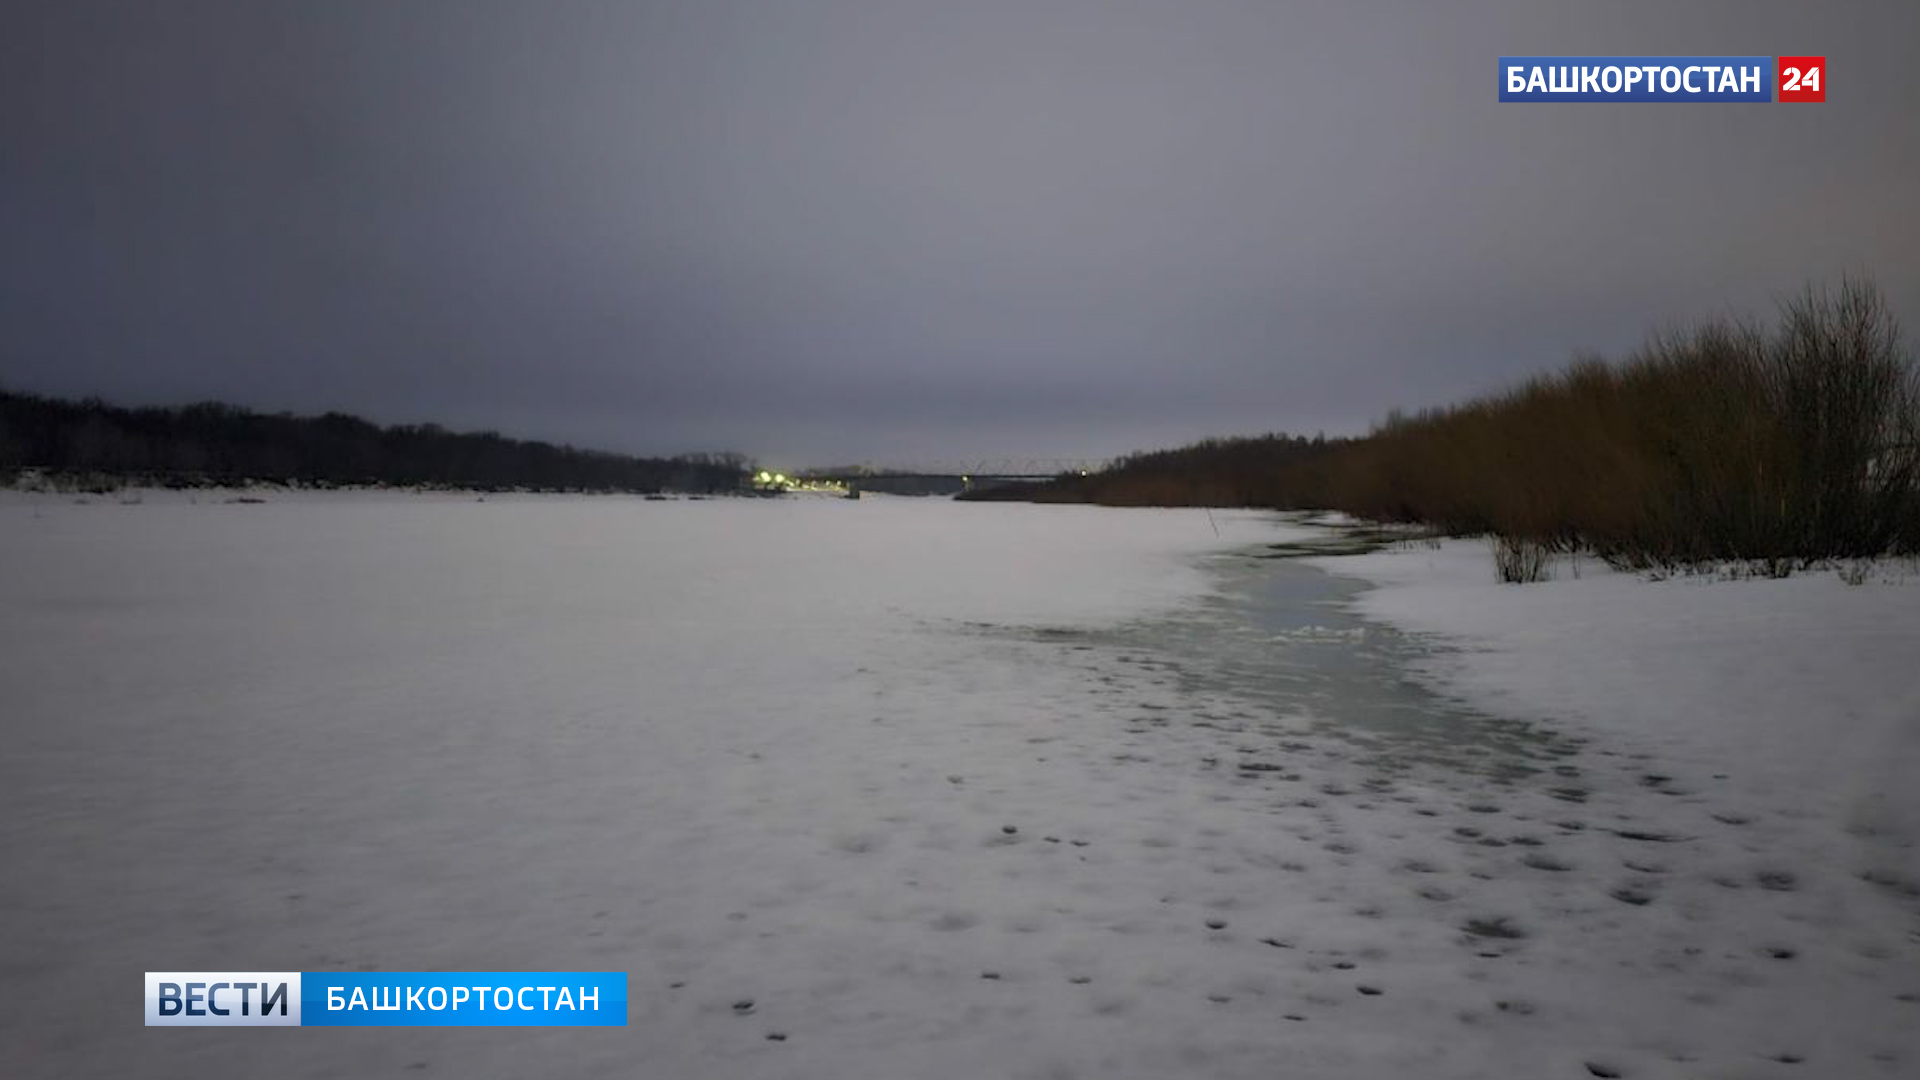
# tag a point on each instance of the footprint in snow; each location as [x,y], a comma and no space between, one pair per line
[1494,926]
[1647,837]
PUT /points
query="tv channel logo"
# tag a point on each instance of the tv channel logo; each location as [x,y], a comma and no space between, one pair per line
[1663,78]
[1803,78]
[223,999]
[386,999]
[1636,78]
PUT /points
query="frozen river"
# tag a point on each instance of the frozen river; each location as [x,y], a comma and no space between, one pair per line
[876,788]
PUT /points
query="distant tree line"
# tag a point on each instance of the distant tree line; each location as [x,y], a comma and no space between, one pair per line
[1264,471]
[1786,445]
[211,443]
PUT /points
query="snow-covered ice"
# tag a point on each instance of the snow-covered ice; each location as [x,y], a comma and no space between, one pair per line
[943,790]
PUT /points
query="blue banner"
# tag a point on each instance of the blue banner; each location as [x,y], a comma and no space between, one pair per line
[463,999]
[1636,78]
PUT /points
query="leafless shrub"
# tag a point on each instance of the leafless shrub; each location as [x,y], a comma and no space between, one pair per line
[1519,561]
[1724,442]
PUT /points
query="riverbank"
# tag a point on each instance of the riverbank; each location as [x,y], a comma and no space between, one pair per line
[1773,730]
[1804,687]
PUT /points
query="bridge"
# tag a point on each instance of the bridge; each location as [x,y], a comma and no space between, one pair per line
[946,477]
[978,468]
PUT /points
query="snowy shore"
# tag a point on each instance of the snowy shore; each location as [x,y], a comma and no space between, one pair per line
[1803,691]
[1778,720]
[910,788]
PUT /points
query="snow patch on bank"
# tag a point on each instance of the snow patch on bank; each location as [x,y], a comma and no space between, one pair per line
[1804,686]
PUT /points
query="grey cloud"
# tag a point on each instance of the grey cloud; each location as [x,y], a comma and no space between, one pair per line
[856,229]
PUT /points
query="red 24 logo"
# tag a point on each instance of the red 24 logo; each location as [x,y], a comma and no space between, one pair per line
[1803,78]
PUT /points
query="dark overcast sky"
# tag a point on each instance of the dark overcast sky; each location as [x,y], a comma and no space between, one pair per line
[885,229]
